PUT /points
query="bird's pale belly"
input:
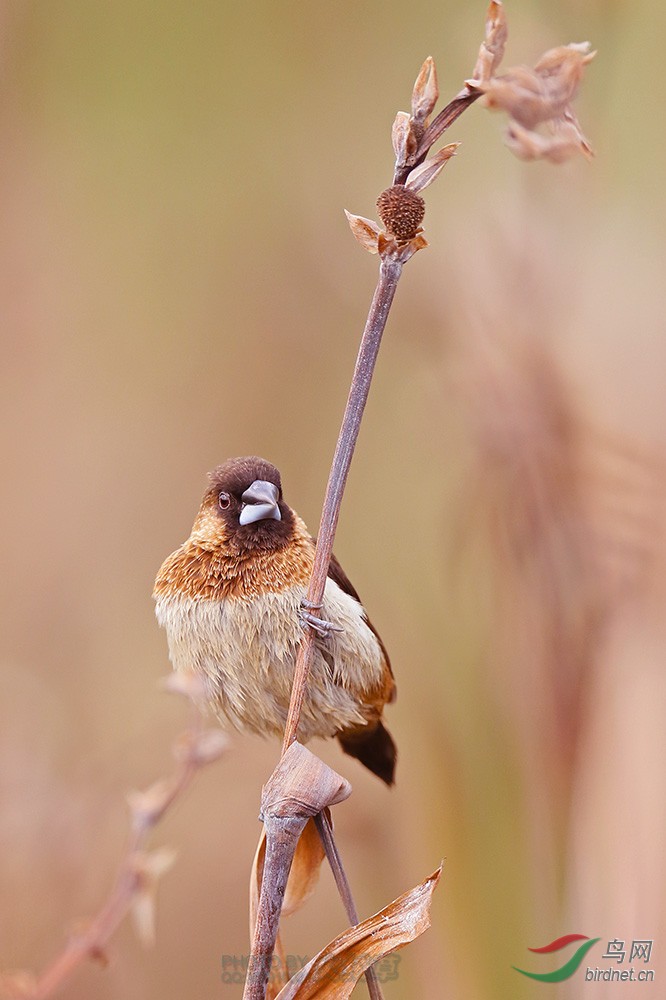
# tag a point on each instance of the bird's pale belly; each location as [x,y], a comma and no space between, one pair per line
[246,651]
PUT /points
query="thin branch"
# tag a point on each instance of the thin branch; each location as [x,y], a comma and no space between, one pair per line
[325,828]
[438,126]
[138,871]
[389,275]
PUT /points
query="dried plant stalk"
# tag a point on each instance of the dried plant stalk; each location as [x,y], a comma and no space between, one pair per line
[136,882]
[401,209]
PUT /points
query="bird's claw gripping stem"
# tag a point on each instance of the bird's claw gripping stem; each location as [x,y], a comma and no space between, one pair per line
[307,619]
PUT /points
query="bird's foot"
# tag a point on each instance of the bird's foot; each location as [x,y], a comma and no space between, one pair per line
[307,619]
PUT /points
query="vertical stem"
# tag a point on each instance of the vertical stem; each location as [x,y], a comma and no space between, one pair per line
[389,275]
[323,823]
[282,833]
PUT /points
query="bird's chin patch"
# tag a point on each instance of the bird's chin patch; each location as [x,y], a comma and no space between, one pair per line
[266,535]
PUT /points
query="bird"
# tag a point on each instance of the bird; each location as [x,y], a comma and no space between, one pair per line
[232,601]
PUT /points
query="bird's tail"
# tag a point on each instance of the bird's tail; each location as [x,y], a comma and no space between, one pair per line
[373,745]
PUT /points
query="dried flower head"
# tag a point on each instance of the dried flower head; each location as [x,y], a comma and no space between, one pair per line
[492,47]
[542,95]
[401,210]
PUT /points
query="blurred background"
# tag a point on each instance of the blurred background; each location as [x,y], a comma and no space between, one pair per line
[179,285]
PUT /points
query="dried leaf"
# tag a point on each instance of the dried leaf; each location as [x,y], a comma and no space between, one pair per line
[305,870]
[186,683]
[365,230]
[147,807]
[201,748]
[333,973]
[566,141]
[426,91]
[302,785]
[423,175]
[148,869]
[403,137]
[492,48]
[405,251]
[303,878]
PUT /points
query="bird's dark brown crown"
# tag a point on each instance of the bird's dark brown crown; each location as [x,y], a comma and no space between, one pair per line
[237,474]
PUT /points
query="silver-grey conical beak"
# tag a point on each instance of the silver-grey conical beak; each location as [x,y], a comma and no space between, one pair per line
[260,503]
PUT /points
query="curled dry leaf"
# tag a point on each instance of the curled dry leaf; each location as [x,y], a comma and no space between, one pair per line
[303,878]
[365,230]
[302,785]
[426,172]
[492,48]
[425,93]
[333,973]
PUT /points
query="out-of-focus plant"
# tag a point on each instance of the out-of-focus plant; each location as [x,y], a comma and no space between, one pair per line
[135,886]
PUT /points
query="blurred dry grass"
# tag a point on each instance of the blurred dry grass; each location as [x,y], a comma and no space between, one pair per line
[178,285]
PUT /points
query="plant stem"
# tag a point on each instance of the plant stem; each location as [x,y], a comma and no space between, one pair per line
[389,275]
[325,829]
[282,833]
[437,128]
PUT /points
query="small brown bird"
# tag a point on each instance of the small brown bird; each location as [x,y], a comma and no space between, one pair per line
[231,601]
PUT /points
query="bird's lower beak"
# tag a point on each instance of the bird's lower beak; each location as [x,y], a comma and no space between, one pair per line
[260,503]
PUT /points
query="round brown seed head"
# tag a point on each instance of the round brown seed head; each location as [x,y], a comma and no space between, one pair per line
[401,211]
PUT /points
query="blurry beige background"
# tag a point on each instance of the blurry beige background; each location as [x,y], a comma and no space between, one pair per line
[178,286]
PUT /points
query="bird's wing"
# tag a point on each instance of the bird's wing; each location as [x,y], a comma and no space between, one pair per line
[338,575]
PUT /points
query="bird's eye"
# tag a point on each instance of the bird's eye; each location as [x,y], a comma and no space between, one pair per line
[224,500]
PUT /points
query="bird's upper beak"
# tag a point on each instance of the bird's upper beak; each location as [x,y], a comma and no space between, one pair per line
[260,502]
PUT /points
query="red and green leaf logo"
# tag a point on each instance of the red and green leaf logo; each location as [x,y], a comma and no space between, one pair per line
[569,967]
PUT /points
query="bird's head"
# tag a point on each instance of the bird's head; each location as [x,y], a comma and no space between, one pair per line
[243,509]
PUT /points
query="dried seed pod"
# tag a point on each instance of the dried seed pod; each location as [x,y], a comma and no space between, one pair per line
[401,211]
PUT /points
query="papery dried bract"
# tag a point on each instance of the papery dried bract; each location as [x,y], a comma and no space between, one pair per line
[426,91]
[148,869]
[426,172]
[561,145]
[492,48]
[201,748]
[403,137]
[365,231]
[146,807]
[333,973]
[532,96]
